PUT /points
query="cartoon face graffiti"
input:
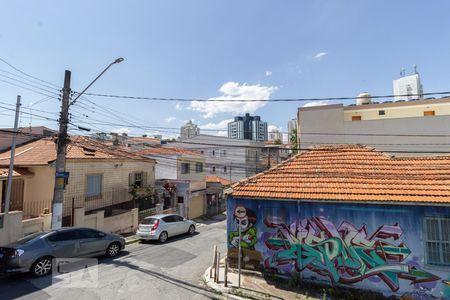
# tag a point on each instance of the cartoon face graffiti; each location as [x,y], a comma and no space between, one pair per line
[245,219]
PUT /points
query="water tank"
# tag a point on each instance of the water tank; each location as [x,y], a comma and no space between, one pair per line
[363,98]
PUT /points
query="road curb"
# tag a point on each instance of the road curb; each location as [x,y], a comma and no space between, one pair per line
[131,241]
[218,288]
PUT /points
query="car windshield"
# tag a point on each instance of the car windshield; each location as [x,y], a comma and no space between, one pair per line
[149,221]
[30,238]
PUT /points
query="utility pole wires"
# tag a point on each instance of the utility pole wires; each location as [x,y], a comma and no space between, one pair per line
[11,160]
[60,165]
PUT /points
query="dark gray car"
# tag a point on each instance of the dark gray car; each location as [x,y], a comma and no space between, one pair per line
[34,253]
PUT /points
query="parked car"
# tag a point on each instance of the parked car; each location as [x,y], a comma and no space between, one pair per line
[34,253]
[161,227]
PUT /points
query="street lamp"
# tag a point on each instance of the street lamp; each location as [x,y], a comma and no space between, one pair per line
[118,60]
[60,163]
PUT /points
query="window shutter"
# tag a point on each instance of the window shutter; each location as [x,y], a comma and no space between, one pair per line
[144,179]
[130,179]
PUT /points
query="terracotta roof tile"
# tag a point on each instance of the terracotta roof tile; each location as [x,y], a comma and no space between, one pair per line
[352,173]
[217,179]
[43,152]
[4,171]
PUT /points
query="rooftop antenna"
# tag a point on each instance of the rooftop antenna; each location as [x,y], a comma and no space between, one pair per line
[415,69]
[402,72]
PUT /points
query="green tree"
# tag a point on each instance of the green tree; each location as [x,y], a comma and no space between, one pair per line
[277,142]
[293,140]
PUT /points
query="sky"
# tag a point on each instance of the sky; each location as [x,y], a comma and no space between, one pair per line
[207,49]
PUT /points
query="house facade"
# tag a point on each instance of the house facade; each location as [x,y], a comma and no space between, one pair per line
[215,196]
[99,177]
[226,157]
[348,216]
[180,179]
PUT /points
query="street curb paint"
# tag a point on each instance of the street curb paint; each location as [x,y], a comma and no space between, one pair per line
[131,241]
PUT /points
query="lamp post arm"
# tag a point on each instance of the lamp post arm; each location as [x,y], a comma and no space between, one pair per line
[96,78]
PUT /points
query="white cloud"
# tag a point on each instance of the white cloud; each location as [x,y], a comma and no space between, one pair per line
[268,73]
[320,55]
[169,119]
[222,125]
[233,92]
[121,130]
[272,128]
[316,103]
[178,106]
[222,133]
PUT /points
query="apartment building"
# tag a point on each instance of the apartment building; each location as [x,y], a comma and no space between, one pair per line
[399,127]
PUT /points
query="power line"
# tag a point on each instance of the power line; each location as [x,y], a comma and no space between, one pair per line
[28,89]
[26,74]
[257,100]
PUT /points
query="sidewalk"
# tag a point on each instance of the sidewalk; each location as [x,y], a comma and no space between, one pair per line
[253,286]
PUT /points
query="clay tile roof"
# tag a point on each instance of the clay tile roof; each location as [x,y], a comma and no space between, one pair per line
[167,151]
[43,152]
[352,173]
[144,140]
[217,179]
[4,171]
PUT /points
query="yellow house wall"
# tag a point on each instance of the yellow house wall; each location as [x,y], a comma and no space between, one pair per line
[115,174]
[38,188]
[397,112]
[197,180]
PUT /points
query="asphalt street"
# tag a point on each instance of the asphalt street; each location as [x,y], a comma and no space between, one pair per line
[143,271]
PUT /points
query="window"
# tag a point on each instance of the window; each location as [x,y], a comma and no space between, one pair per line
[202,152]
[428,113]
[185,168]
[90,234]
[438,241]
[213,169]
[180,199]
[223,153]
[214,153]
[66,235]
[178,219]
[198,167]
[169,219]
[381,112]
[356,118]
[94,186]
[138,179]
[225,169]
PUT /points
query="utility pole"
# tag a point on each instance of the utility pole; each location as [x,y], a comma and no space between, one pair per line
[60,167]
[11,160]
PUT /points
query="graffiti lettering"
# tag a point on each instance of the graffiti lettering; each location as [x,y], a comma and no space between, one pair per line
[345,254]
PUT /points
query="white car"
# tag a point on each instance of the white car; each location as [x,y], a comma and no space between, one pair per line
[161,227]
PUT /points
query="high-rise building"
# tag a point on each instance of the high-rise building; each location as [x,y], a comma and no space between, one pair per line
[292,125]
[189,130]
[408,87]
[275,135]
[248,128]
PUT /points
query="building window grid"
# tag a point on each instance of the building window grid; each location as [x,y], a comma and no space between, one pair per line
[185,168]
[437,241]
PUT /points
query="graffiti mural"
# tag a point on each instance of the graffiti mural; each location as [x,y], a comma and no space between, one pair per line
[345,254]
[245,220]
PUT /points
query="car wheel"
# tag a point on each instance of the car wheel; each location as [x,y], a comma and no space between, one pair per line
[113,250]
[41,267]
[163,237]
[191,230]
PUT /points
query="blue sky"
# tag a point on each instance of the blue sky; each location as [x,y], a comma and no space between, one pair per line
[210,49]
